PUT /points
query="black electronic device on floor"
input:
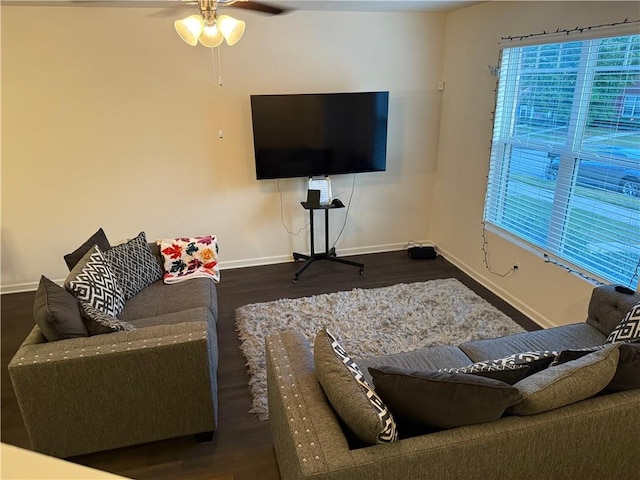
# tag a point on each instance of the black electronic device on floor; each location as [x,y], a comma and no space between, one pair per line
[422,253]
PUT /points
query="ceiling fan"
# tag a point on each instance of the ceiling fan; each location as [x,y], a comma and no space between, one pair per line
[210,28]
[244,4]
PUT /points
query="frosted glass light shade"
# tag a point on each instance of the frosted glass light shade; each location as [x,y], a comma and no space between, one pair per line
[231,28]
[190,28]
[211,36]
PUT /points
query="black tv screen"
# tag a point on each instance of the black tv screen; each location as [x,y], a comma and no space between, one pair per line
[305,135]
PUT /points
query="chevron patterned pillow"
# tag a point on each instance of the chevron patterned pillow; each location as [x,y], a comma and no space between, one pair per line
[629,328]
[133,265]
[91,281]
[349,393]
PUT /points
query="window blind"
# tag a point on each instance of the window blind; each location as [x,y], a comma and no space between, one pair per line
[564,170]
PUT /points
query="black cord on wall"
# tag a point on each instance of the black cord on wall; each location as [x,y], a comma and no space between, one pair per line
[346,215]
[282,215]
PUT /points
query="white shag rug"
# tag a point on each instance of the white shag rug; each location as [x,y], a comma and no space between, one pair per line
[371,322]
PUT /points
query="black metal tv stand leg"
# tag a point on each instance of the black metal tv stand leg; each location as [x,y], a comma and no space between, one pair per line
[329,254]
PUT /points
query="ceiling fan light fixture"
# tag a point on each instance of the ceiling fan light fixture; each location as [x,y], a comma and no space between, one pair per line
[190,28]
[231,28]
[211,36]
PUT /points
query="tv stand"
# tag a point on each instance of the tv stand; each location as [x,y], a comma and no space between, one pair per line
[329,254]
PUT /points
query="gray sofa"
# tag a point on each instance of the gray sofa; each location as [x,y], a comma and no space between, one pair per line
[593,438]
[86,394]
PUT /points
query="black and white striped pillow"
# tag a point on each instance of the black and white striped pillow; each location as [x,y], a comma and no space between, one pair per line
[389,432]
[509,369]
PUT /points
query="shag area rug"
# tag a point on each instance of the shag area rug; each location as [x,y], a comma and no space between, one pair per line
[371,322]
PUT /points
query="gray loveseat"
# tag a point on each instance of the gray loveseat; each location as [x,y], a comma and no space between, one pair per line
[593,438]
[92,393]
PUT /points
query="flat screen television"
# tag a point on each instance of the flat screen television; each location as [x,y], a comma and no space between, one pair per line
[319,134]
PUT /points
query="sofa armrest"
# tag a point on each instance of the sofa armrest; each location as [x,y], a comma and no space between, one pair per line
[34,350]
[95,393]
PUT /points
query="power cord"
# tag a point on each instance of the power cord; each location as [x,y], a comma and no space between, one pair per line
[548,259]
[346,215]
[413,243]
[485,253]
[282,214]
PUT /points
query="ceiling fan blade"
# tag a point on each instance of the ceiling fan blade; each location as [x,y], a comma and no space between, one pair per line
[258,7]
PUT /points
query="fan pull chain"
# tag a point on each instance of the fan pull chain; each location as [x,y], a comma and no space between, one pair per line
[213,66]
[219,68]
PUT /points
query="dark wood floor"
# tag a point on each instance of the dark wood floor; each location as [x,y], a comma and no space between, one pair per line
[241,448]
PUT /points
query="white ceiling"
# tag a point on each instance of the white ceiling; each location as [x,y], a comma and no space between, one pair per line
[326,5]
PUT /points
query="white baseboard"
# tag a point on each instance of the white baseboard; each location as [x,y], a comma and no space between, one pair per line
[249,262]
[392,247]
[343,252]
[488,283]
[22,287]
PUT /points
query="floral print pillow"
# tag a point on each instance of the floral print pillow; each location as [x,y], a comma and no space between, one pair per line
[186,258]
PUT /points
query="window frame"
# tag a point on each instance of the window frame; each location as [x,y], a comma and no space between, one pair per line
[508,112]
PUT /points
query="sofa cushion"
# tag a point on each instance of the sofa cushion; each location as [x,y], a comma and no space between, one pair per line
[134,265]
[155,250]
[98,323]
[568,383]
[57,312]
[422,359]
[197,314]
[353,399]
[159,299]
[627,376]
[628,328]
[189,258]
[92,281]
[577,335]
[441,400]
[99,238]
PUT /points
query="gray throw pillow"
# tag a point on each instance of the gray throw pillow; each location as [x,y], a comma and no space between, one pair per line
[99,238]
[439,399]
[568,383]
[134,265]
[627,376]
[353,399]
[56,312]
[91,281]
[98,323]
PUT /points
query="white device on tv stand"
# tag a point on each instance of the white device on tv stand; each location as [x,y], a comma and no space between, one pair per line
[324,185]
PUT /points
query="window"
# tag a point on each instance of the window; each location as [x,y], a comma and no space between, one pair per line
[631,108]
[565,159]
